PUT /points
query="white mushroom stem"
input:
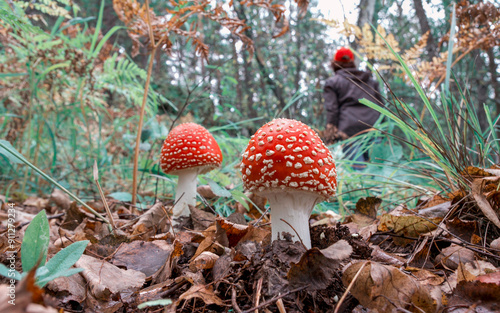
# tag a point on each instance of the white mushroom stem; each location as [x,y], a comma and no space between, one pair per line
[185,195]
[294,207]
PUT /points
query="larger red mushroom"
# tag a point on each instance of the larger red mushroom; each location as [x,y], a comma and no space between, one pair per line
[188,150]
[286,162]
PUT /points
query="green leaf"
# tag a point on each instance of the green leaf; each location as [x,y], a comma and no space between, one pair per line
[10,153]
[162,302]
[218,190]
[121,196]
[5,75]
[35,242]
[60,264]
[67,273]
[5,271]
[241,198]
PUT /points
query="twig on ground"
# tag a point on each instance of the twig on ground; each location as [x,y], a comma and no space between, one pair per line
[257,293]
[268,302]
[236,307]
[48,217]
[302,243]
[346,292]
[281,306]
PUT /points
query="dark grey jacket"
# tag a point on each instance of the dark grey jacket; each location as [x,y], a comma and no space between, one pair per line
[341,95]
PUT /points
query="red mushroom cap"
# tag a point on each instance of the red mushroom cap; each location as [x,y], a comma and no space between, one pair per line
[287,154]
[190,145]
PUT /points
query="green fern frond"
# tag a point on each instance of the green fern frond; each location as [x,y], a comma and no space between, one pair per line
[16,20]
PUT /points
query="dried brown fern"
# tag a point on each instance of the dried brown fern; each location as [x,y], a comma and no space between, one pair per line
[134,15]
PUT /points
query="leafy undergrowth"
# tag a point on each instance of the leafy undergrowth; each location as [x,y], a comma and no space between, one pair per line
[442,255]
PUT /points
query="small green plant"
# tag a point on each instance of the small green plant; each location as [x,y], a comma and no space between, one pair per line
[34,250]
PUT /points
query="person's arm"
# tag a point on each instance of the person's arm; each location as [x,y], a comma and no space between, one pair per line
[331,104]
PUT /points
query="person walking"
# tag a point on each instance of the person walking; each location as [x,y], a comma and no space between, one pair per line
[345,115]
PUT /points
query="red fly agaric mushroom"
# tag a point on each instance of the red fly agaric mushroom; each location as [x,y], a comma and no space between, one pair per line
[286,162]
[188,150]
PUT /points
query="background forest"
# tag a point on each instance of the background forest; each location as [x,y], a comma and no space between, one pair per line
[90,89]
[73,83]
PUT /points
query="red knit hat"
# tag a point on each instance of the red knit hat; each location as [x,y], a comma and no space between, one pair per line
[344,55]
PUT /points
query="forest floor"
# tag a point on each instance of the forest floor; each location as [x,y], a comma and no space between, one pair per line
[431,258]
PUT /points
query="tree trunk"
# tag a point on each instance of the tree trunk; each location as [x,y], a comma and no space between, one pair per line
[366,12]
[492,67]
[482,88]
[263,69]
[424,28]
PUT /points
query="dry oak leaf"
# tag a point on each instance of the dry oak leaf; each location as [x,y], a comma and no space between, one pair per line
[209,243]
[386,289]
[106,280]
[406,223]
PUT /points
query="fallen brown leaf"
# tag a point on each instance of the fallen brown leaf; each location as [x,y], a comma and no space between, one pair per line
[234,232]
[201,219]
[68,289]
[379,255]
[316,268]
[36,202]
[406,223]
[155,219]
[206,294]
[385,288]
[106,280]
[206,260]
[485,287]
[61,199]
[206,192]
[482,202]
[453,255]
[132,255]
[462,228]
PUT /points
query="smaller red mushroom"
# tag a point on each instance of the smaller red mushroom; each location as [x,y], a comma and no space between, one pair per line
[188,150]
[286,162]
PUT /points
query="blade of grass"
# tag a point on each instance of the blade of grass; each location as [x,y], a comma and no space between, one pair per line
[103,198]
